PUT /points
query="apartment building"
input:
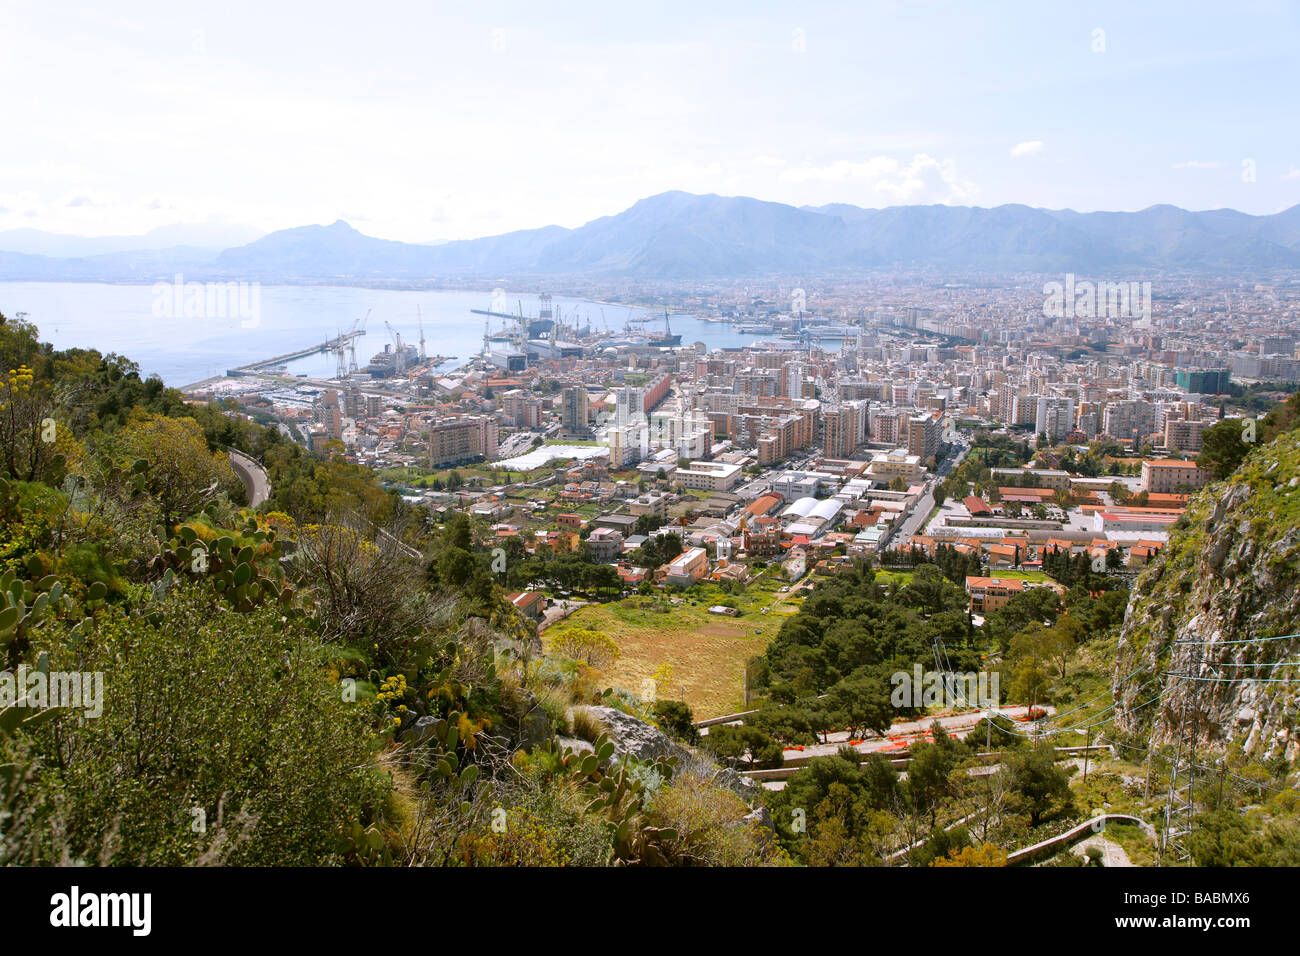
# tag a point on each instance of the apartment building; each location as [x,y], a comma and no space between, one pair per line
[688,567]
[1167,475]
[843,428]
[1054,417]
[1042,477]
[1184,434]
[328,414]
[655,505]
[923,433]
[574,412]
[455,440]
[708,476]
[989,594]
[605,544]
[886,466]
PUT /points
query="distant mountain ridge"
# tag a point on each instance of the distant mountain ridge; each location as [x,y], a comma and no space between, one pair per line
[206,236]
[678,235]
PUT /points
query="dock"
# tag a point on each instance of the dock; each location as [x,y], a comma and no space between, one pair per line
[329,345]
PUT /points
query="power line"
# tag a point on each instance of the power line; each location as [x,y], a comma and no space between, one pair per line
[1275,664]
[1246,640]
[1089,721]
[1237,680]
[1245,780]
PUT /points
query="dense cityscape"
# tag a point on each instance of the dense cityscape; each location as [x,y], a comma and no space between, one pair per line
[829,437]
[445,441]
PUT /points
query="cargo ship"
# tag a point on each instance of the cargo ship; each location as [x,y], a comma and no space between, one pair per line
[666,339]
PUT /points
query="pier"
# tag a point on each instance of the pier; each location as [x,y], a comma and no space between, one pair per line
[329,345]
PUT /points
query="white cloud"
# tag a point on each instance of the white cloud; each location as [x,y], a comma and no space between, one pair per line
[842,170]
[1292,173]
[926,179]
[923,179]
[1197,164]
[1028,148]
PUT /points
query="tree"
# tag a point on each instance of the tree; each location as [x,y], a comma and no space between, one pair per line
[365,590]
[1038,782]
[743,743]
[182,475]
[928,782]
[863,703]
[29,435]
[674,718]
[1222,448]
[1029,649]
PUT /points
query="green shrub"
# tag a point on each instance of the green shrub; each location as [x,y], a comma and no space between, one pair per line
[214,717]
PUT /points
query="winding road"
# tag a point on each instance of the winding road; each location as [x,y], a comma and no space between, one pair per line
[253,476]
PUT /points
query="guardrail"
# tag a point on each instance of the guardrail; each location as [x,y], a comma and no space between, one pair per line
[1031,853]
[796,763]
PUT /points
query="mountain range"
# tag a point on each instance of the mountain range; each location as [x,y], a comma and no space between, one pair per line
[678,235]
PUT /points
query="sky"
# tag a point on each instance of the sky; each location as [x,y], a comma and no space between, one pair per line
[446,120]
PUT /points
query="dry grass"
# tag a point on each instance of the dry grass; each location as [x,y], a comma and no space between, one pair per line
[707,654]
[585,725]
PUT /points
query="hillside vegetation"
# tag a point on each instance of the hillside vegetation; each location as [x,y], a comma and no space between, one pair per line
[289,686]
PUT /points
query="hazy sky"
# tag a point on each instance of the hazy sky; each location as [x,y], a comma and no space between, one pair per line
[437,120]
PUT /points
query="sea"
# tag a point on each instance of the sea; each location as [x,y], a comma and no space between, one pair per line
[154,325]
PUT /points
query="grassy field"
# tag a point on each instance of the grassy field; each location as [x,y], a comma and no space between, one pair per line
[1019,575]
[423,477]
[894,578]
[707,652]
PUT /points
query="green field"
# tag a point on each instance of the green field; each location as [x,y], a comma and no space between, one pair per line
[1020,575]
[894,578]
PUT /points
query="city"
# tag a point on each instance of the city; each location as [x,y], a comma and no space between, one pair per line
[832,438]
[750,441]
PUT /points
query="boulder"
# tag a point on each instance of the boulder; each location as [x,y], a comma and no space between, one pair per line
[420,731]
[631,736]
[760,818]
[745,787]
[535,728]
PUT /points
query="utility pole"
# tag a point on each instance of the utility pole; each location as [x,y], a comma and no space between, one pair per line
[1146,793]
[1175,805]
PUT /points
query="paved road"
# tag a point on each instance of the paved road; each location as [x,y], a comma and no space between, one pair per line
[956,725]
[1112,854]
[253,476]
[915,521]
[558,611]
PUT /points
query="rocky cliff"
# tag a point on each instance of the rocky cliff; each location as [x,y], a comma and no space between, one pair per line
[1204,618]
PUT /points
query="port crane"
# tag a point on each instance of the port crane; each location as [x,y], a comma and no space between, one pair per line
[400,359]
[345,350]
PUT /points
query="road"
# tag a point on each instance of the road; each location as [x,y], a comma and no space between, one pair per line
[902,733]
[918,516]
[253,476]
[558,611]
